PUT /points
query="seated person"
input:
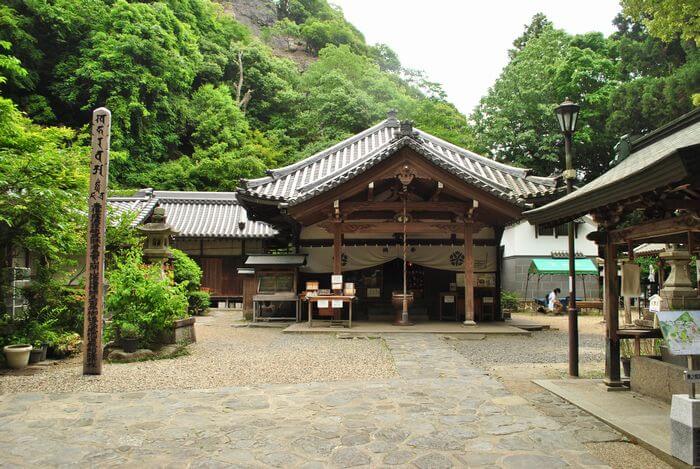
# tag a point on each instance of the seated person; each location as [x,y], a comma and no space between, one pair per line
[553,303]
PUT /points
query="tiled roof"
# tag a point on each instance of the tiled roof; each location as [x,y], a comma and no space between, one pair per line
[140,206]
[197,214]
[331,167]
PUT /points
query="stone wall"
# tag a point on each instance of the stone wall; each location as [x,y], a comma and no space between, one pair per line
[514,273]
[657,379]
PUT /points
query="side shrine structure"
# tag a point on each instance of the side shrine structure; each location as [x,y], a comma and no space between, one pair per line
[650,195]
[394,209]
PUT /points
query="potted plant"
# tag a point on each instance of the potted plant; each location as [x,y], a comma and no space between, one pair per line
[17,355]
[625,356]
[129,335]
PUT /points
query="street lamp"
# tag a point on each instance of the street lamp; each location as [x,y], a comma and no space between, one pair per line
[567,115]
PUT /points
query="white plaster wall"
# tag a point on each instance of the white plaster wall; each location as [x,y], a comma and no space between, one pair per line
[520,240]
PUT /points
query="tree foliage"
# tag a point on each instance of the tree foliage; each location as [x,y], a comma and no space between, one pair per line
[629,82]
[198,102]
[667,19]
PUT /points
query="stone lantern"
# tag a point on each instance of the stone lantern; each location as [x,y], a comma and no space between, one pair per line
[158,233]
[678,292]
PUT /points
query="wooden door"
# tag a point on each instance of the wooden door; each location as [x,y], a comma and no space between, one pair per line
[212,274]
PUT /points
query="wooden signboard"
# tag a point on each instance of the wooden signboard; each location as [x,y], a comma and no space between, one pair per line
[94,262]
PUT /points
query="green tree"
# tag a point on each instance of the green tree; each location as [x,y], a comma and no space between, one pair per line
[43,187]
[219,126]
[139,67]
[537,25]
[667,19]
[515,123]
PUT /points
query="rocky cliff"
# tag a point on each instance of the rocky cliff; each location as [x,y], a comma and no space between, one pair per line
[258,14]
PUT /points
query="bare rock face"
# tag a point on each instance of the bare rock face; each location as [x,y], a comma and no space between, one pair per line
[256,14]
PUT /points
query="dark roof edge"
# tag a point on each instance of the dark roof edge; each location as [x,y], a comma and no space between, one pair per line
[657,175]
[665,130]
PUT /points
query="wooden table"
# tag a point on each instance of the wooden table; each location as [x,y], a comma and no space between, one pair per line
[638,335]
[330,298]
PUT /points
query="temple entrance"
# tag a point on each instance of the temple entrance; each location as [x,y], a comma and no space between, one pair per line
[438,294]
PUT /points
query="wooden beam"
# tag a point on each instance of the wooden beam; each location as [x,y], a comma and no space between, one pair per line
[612,343]
[395,227]
[413,206]
[497,307]
[370,191]
[655,229]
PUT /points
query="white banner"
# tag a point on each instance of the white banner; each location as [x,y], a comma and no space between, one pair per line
[320,259]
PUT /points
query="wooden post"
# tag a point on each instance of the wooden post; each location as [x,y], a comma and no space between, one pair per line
[469,272]
[337,249]
[94,261]
[497,306]
[612,343]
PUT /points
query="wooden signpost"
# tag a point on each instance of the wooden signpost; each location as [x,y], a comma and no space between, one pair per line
[94,262]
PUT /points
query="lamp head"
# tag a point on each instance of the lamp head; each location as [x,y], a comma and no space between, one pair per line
[567,115]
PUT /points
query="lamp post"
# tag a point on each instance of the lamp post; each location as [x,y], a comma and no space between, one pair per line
[567,115]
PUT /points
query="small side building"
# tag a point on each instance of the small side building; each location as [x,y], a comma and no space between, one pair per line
[213,229]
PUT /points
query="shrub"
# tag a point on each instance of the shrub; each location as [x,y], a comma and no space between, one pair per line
[509,300]
[128,330]
[65,344]
[188,274]
[140,294]
[186,271]
[198,302]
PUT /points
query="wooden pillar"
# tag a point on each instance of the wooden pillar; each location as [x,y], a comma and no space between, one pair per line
[612,343]
[337,249]
[497,307]
[469,272]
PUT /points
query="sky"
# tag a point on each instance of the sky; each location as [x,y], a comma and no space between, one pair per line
[463,44]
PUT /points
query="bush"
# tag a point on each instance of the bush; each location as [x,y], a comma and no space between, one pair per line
[509,300]
[188,274]
[199,302]
[65,344]
[141,295]
[128,330]
[186,271]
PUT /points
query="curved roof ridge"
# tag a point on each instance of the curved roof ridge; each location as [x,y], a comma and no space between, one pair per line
[350,166]
[522,172]
[283,171]
[481,178]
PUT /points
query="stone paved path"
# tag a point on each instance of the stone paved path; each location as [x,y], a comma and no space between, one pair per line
[439,413]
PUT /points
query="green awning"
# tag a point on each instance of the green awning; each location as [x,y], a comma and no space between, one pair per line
[549,266]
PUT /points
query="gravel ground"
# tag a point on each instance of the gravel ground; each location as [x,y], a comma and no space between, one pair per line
[541,347]
[626,455]
[224,356]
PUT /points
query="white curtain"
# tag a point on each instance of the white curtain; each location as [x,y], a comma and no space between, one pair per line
[320,259]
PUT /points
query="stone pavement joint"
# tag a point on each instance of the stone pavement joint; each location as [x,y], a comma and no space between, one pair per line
[440,412]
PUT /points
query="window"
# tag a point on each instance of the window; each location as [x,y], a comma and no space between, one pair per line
[545,230]
[562,230]
[273,283]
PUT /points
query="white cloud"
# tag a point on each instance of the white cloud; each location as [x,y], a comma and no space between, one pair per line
[464,44]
